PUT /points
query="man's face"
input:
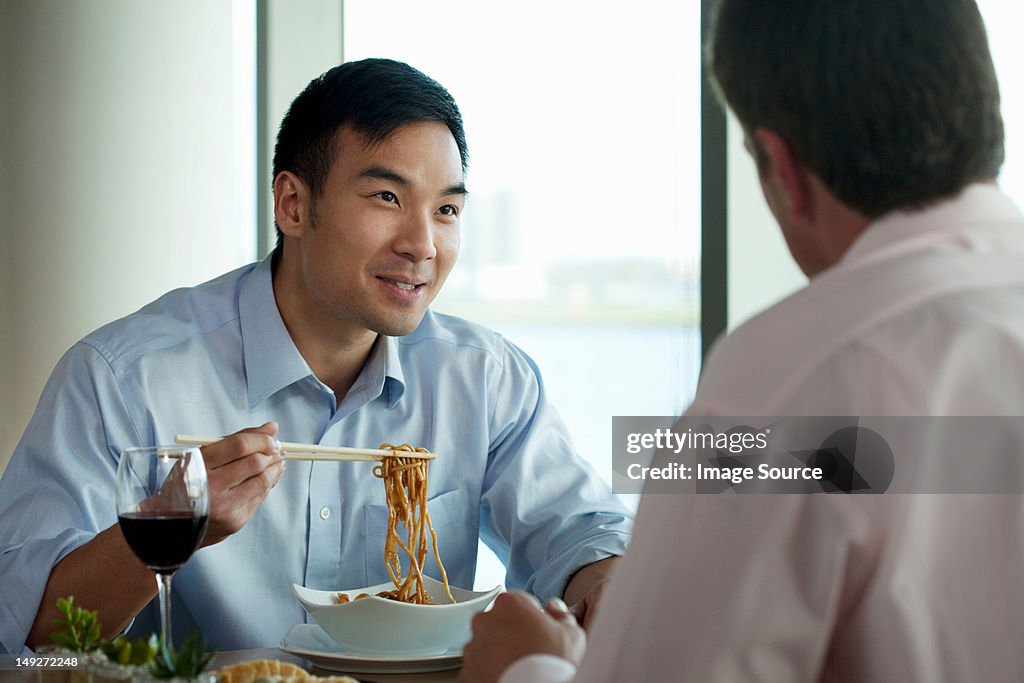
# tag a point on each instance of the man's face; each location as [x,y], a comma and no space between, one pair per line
[384,233]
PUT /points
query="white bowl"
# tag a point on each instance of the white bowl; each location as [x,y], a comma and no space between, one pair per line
[376,625]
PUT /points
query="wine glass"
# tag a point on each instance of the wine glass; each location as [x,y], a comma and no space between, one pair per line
[163,506]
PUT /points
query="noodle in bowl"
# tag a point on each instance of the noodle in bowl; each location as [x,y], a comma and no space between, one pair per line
[379,626]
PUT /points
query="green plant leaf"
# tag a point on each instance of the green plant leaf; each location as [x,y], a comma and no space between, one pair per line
[131,650]
[188,661]
[82,627]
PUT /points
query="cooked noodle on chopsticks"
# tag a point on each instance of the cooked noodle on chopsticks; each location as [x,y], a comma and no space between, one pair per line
[405,491]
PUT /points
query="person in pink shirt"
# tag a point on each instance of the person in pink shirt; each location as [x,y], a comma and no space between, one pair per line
[877,134]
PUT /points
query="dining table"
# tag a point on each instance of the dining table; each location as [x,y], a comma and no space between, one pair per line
[14,674]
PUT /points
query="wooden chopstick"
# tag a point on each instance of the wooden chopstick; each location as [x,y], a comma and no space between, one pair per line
[305,451]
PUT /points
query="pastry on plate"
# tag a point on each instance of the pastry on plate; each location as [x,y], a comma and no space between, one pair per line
[273,671]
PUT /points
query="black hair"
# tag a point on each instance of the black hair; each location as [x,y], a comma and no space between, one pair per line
[375,97]
[893,104]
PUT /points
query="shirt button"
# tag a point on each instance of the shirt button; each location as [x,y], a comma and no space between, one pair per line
[325,512]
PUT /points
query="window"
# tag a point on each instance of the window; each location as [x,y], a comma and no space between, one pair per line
[1004,40]
[581,238]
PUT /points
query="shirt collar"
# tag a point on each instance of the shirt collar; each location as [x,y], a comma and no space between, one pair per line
[381,375]
[980,218]
[272,362]
[393,370]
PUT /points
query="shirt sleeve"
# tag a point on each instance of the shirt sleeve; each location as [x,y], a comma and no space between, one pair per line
[539,669]
[58,490]
[544,511]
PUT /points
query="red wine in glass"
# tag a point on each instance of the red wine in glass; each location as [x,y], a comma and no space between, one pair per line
[163,505]
[163,540]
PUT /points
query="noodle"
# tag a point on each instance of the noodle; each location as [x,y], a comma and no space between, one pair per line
[405,491]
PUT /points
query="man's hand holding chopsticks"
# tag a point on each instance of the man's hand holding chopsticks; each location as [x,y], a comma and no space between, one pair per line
[241,468]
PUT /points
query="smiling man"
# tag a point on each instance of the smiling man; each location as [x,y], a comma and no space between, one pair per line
[330,340]
[372,251]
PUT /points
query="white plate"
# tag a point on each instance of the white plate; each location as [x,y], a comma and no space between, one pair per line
[312,642]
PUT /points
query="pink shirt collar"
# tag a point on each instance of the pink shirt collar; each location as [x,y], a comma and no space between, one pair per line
[960,222]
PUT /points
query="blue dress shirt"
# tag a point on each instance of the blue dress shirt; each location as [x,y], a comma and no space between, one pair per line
[216,358]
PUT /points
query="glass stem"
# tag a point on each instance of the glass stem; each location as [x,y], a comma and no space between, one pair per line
[163,582]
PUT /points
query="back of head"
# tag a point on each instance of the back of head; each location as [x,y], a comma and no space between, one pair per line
[375,97]
[893,104]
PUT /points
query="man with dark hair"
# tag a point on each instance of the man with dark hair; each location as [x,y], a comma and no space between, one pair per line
[352,95]
[877,135]
[327,341]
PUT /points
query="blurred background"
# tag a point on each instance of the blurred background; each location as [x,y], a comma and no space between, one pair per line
[136,145]
[137,134]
